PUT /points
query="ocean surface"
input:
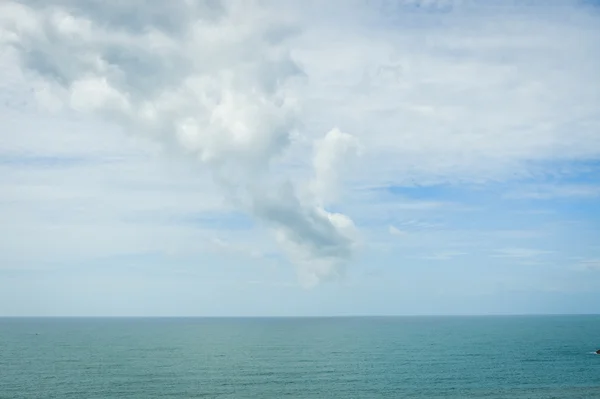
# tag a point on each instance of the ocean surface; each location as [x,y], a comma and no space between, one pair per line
[396,357]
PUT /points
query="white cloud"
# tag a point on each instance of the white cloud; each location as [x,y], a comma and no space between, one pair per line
[520,253]
[218,82]
[393,230]
[444,255]
[548,191]
[587,265]
[331,156]
[319,241]
[472,93]
[478,94]
[95,93]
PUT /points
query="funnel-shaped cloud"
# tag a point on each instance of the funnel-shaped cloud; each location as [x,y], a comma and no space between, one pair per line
[212,78]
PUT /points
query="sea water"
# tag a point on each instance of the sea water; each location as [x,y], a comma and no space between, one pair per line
[387,357]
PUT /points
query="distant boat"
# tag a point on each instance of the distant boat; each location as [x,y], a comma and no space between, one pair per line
[598,352]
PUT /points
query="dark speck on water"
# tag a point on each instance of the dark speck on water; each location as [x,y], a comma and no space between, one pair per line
[404,357]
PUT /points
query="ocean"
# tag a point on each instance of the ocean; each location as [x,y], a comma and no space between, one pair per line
[371,357]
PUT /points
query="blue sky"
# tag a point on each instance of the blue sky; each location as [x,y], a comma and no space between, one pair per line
[292,158]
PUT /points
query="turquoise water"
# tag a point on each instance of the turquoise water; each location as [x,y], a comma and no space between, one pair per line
[404,357]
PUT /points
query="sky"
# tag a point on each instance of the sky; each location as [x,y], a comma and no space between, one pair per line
[299,158]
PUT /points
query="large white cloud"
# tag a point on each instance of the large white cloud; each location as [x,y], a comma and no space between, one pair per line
[213,78]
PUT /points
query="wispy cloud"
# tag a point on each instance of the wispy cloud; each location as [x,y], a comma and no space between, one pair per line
[548,191]
[393,230]
[524,256]
[587,265]
[520,253]
[443,256]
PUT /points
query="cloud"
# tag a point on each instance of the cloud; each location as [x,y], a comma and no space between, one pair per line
[587,265]
[317,239]
[215,80]
[332,154]
[393,230]
[445,255]
[556,191]
[520,252]
[522,255]
[480,93]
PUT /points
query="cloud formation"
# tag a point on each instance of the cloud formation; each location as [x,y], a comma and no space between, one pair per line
[215,79]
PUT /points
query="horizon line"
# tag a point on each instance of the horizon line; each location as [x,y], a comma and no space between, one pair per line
[358,316]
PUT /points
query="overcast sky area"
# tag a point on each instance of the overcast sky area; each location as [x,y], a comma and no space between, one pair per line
[294,158]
